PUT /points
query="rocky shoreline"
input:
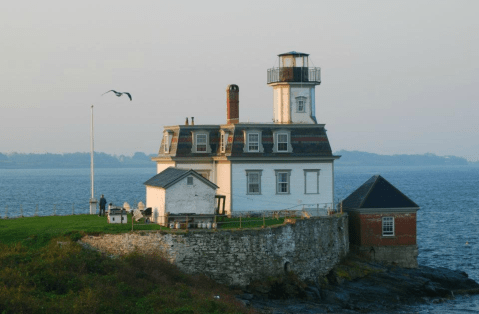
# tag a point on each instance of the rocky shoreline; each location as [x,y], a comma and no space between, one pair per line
[356,286]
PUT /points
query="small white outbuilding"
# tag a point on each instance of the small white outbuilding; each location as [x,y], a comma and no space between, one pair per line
[117,216]
[176,191]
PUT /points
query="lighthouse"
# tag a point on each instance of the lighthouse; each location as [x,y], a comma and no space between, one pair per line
[282,164]
[294,85]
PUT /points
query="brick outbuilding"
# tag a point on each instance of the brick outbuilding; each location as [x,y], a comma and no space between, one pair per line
[382,223]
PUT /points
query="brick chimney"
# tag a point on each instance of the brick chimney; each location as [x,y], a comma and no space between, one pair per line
[232,104]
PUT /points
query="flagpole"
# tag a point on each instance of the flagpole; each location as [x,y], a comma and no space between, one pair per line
[93,201]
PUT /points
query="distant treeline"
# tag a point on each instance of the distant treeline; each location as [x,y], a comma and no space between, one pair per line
[74,160]
[140,160]
[355,158]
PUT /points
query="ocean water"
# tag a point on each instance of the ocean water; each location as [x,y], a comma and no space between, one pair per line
[62,191]
[447,223]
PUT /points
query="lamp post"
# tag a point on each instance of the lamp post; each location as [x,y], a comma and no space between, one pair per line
[93,201]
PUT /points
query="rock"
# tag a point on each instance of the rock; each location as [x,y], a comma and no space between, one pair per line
[312,294]
[246,296]
[263,289]
[335,297]
[314,290]
[367,287]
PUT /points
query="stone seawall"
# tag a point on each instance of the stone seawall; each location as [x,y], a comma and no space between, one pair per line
[309,247]
[400,255]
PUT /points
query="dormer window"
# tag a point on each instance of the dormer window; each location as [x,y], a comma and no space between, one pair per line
[223,141]
[301,104]
[253,141]
[200,142]
[282,141]
[167,137]
[166,144]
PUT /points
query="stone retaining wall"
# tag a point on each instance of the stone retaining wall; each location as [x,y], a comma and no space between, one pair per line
[309,247]
[401,255]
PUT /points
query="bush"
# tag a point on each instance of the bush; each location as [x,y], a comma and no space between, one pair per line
[62,277]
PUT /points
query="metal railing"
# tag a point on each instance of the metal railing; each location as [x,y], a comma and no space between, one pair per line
[294,74]
[239,220]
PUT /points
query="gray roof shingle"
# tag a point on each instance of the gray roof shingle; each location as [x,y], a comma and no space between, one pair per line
[306,141]
[377,192]
[171,175]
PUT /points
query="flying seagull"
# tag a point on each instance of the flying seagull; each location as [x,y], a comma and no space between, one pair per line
[118,93]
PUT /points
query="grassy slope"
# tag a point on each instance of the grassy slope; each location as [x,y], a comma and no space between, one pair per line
[20,229]
[42,271]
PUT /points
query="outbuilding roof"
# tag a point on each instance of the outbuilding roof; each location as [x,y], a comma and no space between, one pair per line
[377,192]
[172,175]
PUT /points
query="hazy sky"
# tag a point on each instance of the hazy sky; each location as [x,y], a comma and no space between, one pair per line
[398,77]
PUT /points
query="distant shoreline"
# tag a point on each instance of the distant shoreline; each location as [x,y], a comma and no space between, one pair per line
[141,160]
[357,158]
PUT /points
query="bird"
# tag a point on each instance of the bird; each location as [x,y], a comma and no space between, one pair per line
[118,93]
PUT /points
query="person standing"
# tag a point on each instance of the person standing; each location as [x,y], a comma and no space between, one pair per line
[102,205]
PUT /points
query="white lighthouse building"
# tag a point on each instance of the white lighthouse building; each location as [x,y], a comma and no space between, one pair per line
[261,166]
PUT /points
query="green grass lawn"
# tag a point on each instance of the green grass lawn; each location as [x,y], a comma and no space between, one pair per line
[41,229]
[21,229]
[44,270]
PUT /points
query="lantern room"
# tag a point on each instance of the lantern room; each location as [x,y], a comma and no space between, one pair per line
[293,59]
[294,67]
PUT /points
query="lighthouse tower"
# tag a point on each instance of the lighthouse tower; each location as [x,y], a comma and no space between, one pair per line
[293,85]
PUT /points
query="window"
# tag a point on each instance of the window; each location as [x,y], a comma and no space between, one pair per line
[282,181]
[167,136]
[201,141]
[189,180]
[388,226]
[311,181]
[223,140]
[253,181]
[282,142]
[253,142]
[222,143]
[166,143]
[301,104]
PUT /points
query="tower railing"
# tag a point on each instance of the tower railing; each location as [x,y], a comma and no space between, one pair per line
[294,74]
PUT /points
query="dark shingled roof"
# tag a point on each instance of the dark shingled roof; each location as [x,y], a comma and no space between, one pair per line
[171,175]
[377,192]
[306,141]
